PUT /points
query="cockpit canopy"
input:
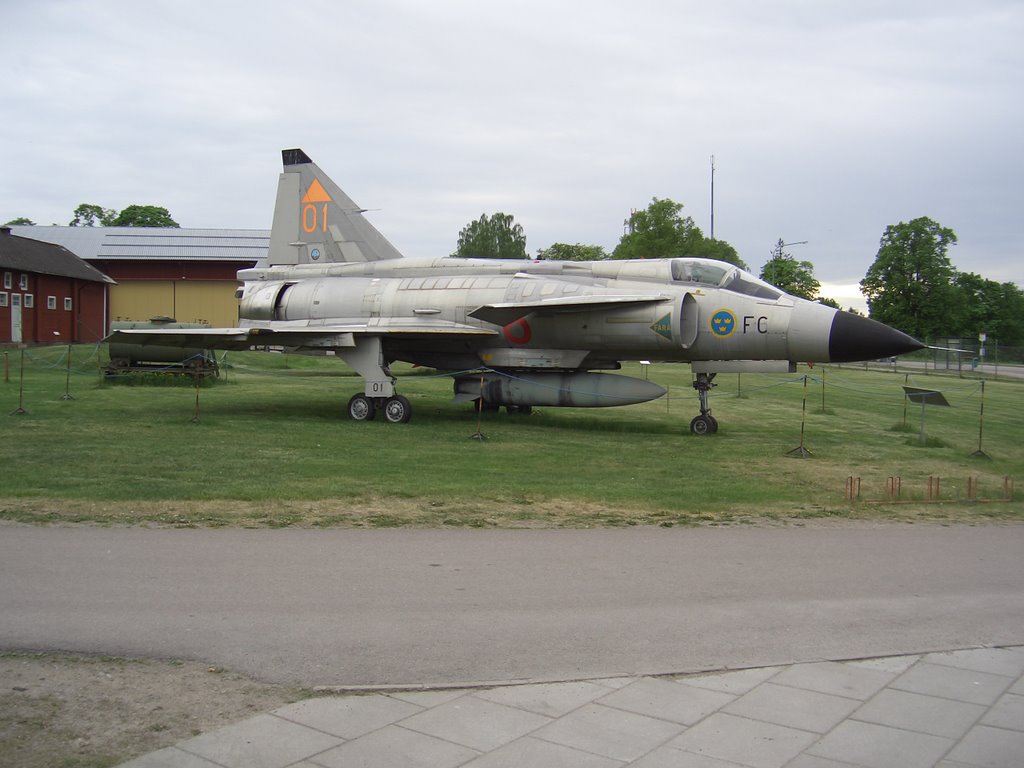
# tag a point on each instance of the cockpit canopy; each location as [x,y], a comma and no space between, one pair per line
[719,274]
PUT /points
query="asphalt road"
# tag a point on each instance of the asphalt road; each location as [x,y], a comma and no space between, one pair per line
[352,607]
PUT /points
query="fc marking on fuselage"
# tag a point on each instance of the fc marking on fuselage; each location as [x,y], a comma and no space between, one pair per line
[663,327]
[723,323]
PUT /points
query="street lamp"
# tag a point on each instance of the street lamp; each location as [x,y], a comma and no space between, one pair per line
[777,252]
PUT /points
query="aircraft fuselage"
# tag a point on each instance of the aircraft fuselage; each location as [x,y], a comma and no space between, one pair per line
[672,310]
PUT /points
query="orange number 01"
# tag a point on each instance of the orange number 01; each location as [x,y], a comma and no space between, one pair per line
[313,220]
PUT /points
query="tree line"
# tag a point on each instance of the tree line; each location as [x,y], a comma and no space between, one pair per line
[92,215]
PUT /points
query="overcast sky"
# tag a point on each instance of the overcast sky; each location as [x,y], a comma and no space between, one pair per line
[828,121]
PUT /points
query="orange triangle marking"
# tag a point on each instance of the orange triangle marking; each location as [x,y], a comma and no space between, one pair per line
[316,193]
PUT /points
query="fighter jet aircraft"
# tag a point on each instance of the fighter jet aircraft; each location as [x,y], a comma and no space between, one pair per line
[515,333]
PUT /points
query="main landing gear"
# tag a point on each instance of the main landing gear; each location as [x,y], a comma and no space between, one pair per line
[705,424]
[379,394]
[396,409]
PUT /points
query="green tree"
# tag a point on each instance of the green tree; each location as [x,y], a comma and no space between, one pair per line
[985,306]
[578,252]
[90,215]
[660,231]
[910,284]
[492,237]
[21,221]
[143,216]
[794,277]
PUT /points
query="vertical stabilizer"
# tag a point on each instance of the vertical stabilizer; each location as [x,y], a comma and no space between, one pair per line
[315,222]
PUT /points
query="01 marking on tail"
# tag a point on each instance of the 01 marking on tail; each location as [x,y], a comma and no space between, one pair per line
[533,332]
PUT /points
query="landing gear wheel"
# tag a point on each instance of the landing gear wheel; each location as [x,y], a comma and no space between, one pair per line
[705,424]
[522,410]
[397,410]
[361,408]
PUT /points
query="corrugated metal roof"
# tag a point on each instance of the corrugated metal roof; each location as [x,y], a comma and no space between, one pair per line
[155,243]
[26,254]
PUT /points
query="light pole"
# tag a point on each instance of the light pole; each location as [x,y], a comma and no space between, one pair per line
[777,251]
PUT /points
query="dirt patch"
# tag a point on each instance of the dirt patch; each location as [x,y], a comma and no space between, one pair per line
[390,512]
[92,712]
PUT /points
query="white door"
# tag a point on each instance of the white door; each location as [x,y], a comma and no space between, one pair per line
[16,318]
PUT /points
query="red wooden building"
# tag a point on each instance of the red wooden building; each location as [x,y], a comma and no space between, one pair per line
[48,295]
[187,274]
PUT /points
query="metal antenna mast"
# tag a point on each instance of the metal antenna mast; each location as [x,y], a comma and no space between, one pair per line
[712,197]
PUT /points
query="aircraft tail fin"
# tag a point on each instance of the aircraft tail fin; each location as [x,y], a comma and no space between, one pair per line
[315,222]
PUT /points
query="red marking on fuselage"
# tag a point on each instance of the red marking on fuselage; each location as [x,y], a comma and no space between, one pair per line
[518,331]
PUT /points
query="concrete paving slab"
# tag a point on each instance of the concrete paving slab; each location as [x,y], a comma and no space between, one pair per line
[552,700]
[988,747]
[996,661]
[1008,713]
[744,741]
[171,757]
[853,682]
[609,732]
[427,699]
[738,682]
[895,664]
[793,707]
[811,761]
[667,700]
[670,757]
[529,751]
[1018,687]
[396,747]
[348,716]
[476,723]
[923,714]
[953,683]
[263,741]
[879,746]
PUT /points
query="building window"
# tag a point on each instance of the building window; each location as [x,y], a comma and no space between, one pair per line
[51,302]
[3,299]
[30,301]
[23,282]
[67,304]
[7,281]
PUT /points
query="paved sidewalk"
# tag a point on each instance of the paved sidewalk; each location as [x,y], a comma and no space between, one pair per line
[961,709]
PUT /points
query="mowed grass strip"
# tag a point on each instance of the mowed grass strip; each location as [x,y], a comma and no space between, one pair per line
[272,446]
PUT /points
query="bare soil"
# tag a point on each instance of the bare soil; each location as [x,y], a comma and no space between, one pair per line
[76,711]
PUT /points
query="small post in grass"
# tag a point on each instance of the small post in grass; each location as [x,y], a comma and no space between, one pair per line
[67,378]
[20,410]
[195,415]
[800,452]
[478,435]
[980,454]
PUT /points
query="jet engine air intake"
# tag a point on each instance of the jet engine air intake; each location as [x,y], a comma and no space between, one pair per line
[261,301]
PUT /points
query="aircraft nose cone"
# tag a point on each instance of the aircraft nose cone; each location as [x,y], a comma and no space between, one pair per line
[854,338]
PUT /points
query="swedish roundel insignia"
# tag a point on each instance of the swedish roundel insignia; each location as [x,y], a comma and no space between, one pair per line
[723,323]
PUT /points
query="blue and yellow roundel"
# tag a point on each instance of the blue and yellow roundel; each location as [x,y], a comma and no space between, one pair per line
[723,323]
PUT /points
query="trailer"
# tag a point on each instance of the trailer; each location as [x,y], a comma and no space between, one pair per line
[148,358]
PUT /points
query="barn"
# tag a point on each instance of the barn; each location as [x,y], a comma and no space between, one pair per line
[185,274]
[48,294]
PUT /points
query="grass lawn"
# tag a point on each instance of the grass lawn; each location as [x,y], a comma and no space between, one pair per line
[273,446]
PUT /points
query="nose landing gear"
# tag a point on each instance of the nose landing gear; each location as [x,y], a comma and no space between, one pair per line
[705,423]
